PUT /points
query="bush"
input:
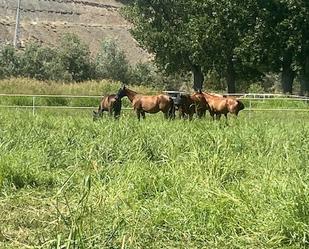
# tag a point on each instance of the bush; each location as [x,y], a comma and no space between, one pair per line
[111,62]
[34,60]
[75,58]
[255,88]
[9,62]
[142,74]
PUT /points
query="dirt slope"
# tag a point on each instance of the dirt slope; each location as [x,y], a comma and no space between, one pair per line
[46,20]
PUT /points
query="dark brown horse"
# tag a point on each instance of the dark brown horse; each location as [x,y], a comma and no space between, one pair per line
[219,105]
[111,104]
[149,104]
[190,104]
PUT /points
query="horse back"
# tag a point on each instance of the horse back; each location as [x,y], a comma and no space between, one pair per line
[152,104]
[217,104]
[108,101]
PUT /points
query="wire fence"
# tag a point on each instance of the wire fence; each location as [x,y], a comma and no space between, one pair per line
[253,102]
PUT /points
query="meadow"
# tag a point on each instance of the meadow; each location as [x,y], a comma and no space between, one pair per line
[69,182]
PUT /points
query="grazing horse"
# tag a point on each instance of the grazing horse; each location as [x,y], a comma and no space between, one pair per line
[222,105]
[149,104]
[190,104]
[111,104]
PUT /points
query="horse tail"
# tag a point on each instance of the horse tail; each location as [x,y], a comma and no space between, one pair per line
[172,109]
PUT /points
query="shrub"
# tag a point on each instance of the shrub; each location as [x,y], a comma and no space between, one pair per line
[34,60]
[9,62]
[75,58]
[111,62]
[142,73]
[255,88]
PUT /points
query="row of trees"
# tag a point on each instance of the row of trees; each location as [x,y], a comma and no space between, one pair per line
[72,61]
[239,39]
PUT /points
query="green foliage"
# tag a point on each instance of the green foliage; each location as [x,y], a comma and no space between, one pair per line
[255,88]
[184,35]
[241,39]
[111,62]
[35,61]
[278,38]
[75,57]
[69,62]
[142,73]
[9,61]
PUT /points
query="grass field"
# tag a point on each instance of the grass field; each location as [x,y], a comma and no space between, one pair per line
[69,182]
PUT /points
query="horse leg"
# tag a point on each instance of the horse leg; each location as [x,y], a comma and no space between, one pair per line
[218,116]
[212,114]
[225,117]
[138,113]
[172,110]
[110,111]
[116,114]
[166,115]
[199,114]
[143,114]
[181,113]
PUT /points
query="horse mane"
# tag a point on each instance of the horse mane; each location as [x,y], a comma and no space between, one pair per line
[130,94]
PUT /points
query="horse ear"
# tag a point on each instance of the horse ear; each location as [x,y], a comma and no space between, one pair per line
[199,90]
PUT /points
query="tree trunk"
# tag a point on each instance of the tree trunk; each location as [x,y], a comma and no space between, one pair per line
[304,78]
[230,76]
[198,77]
[288,74]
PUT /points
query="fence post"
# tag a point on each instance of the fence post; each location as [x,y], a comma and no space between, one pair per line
[33,105]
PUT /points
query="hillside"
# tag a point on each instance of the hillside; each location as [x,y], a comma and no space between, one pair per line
[45,21]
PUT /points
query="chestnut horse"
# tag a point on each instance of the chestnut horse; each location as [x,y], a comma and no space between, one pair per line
[190,104]
[111,104]
[149,104]
[219,105]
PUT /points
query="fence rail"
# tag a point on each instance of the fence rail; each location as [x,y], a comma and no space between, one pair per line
[251,97]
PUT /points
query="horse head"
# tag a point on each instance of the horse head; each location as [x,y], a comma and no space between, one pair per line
[121,92]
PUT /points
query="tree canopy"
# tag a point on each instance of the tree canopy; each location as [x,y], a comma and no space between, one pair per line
[233,37]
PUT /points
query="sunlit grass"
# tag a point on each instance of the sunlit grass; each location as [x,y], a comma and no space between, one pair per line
[69,182]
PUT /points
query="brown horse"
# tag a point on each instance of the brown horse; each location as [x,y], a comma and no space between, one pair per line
[111,104]
[219,105]
[149,104]
[190,104]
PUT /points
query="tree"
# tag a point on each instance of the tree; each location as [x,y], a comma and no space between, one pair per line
[192,35]
[111,62]
[75,58]
[9,61]
[34,59]
[162,28]
[278,41]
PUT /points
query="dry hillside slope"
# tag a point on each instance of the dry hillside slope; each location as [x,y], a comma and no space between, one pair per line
[46,20]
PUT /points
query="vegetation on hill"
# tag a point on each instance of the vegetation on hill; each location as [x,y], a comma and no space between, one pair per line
[233,45]
[71,61]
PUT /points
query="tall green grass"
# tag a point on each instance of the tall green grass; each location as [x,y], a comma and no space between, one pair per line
[92,88]
[69,182]
[34,87]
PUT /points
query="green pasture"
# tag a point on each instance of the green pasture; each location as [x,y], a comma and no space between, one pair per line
[69,182]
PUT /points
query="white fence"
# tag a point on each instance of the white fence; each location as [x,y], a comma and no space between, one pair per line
[251,98]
